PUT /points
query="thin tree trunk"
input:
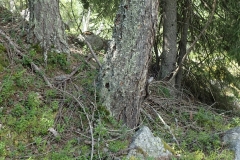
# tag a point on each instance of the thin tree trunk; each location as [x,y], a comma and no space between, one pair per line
[124,73]
[183,42]
[168,62]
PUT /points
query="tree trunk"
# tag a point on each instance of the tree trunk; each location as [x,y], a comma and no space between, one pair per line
[124,73]
[46,26]
[168,62]
[183,41]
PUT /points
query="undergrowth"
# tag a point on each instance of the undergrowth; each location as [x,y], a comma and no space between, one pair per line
[29,109]
[197,129]
[67,121]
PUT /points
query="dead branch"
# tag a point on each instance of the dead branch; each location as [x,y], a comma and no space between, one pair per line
[165,125]
[87,116]
[92,52]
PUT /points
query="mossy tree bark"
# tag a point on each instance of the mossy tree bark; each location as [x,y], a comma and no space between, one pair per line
[46,26]
[124,73]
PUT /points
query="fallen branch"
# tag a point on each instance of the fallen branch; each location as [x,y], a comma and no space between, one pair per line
[35,67]
[165,125]
[93,54]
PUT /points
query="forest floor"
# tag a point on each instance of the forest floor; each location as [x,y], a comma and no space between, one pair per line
[53,111]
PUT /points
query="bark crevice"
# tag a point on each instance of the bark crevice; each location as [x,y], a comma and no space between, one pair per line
[124,73]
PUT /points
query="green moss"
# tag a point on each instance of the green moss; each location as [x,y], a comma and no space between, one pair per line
[2,48]
[167,147]
[2,149]
[37,48]
[103,111]
[58,60]
[7,90]
[117,145]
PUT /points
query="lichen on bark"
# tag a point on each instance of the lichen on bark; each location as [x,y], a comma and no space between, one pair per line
[123,75]
[46,26]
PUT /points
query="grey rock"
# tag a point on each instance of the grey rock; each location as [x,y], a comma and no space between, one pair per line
[145,145]
[232,138]
[96,41]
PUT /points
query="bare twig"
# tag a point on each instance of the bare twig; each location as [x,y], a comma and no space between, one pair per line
[35,67]
[165,125]
[88,119]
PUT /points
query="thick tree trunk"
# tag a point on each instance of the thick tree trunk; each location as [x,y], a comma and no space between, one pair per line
[124,72]
[46,26]
[168,62]
[183,41]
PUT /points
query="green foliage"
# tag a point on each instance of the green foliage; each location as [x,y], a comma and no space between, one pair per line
[30,118]
[18,110]
[207,120]
[19,78]
[54,105]
[29,121]
[2,149]
[58,60]
[87,80]
[101,18]
[6,15]
[235,122]
[164,91]
[215,61]
[207,141]
[105,8]
[101,130]
[84,152]
[225,154]
[61,156]
[7,89]
[2,48]
[50,94]
[199,155]
[33,100]
[116,146]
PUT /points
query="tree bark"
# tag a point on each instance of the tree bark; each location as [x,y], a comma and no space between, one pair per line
[46,26]
[168,61]
[124,73]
